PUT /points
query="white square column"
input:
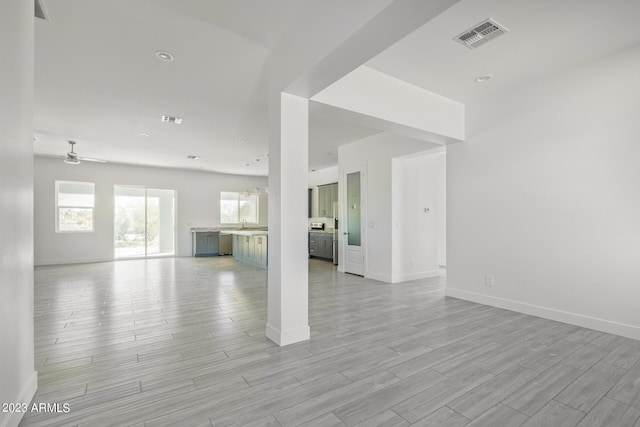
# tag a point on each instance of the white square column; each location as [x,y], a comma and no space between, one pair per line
[288,274]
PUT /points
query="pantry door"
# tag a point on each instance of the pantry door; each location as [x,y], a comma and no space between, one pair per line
[353,234]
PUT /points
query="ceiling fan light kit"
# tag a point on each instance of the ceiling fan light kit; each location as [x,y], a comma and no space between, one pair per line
[71,161]
[72,157]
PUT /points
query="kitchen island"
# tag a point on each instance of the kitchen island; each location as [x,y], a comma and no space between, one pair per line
[249,246]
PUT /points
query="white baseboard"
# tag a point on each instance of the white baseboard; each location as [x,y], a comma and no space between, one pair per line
[92,260]
[290,336]
[26,396]
[377,276]
[416,276]
[402,277]
[70,261]
[603,325]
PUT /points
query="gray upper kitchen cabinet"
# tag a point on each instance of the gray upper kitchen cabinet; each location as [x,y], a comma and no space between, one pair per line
[323,194]
[327,195]
[334,195]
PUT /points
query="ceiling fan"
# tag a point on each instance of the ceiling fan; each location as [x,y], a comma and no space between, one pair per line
[73,159]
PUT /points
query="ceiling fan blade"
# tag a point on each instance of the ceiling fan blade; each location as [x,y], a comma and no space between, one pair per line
[87,159]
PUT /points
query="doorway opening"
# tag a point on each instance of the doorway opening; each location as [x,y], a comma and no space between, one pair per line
[144,222]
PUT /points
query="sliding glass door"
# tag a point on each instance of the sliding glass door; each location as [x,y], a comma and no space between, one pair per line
[144,223]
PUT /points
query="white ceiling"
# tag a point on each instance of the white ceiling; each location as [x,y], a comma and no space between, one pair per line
[545,36]
[98,82]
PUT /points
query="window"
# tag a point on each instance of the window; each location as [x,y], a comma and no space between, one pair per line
[238,207]
[144,221]
[74,206]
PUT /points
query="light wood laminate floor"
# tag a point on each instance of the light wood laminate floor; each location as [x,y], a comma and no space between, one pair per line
[180,342]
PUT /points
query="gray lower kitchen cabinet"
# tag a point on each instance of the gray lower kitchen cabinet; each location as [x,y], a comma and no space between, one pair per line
[260,250]
[240,247]
[314,247]
[321,245]
[205,243]
[327,247]
[251,249]
[236,248]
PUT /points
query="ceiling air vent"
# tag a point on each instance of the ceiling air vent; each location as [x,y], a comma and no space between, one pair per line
[481,33]
[40,11]
[170,119]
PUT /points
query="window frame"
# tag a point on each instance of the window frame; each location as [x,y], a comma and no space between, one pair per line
[58,206]
[238,194]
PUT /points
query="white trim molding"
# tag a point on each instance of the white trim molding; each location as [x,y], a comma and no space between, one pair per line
[603,325]
[292,336]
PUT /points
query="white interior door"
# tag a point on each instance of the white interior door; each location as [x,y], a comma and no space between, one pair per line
[353,230]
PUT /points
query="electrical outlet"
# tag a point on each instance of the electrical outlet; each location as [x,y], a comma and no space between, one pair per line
[488,280]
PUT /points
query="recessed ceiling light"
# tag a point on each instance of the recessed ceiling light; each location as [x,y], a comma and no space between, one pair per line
[164,56]
[143,134]
[483,78]
[241,140]
[192,157]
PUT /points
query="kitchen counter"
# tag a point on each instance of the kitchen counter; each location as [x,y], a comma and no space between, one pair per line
[212,241]
[248,244]
[230,230]
[248,232]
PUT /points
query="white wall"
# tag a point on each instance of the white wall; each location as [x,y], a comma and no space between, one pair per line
[415,216]
[375,94]
[197,195]
[374,155]
[544,195]
[323,176]
[18,379]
